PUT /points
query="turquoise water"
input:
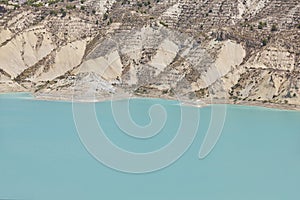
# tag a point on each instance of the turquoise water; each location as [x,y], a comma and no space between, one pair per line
[41,155]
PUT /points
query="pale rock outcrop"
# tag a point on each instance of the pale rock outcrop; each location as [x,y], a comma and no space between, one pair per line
[108,66]
[25,50]
[11,59]
[8,85]
[165,54]
[5,34]
[36,45]
[230,56]
[67,57]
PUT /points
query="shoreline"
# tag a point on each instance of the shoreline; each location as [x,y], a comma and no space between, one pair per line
[199,103]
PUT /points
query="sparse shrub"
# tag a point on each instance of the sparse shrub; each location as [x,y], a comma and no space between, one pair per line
[261,25]
[264,42]
[70,7]
[288,95]
[105,16]
[109,21]
[82,8]
[146,3]
[4,2]
[139,4]
[37,4]
[30,2]
[164,91]
[63,12]
[274,28]
[50,2]
[53,12]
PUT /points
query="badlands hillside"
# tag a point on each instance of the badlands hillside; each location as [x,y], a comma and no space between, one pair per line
[236,51]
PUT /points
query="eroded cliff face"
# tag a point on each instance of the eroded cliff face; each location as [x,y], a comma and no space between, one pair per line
[236,51]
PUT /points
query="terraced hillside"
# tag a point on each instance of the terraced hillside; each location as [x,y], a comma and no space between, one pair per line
[238,51]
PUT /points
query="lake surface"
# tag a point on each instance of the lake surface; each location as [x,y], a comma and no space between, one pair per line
[42,157]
